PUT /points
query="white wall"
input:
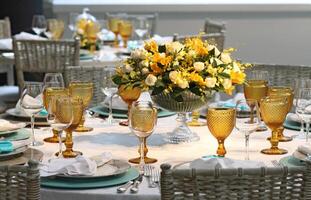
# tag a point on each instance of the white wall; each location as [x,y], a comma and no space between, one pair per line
[261,33]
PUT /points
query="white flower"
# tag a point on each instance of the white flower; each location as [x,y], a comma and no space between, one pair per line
[138,53]
[198,66]
[236,67]
[182,83]
[225,57]
[210,82]
[173,76]
[192,53]
[145,71]
[174,47]
[151,80]
[218,62]
[144,63]
[211,47]
[227,83]
[128,68]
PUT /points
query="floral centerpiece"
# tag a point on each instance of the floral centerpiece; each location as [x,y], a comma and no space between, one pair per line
[195,66]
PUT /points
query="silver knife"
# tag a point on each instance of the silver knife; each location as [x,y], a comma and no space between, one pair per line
[125,187]
[137,182]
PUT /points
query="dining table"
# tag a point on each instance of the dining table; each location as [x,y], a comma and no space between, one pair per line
[122,144]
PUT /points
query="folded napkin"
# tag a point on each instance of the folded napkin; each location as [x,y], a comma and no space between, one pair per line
[28,100]
[6,125]
[74,166]
[6,44]
[210,162]
[304,149]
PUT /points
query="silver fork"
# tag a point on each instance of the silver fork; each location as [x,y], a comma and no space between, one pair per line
[148,174]
[156,177]
[275,163]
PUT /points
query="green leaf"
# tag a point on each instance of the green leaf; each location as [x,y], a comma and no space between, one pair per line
[117,80]
[178,98]
[159,83]
[157,90]
[162,49]
[196,90]
[224,75]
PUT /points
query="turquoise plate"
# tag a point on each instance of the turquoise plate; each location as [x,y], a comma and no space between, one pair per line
[292,125]
[86,56]
[87,183]
[21,134]
[122,114]
[291,161]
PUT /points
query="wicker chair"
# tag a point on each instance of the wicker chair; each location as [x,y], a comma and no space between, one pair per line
[5,28]
[20,182]
[93,74]
[217,39]
[235,184]
[42,56]
[283,74]
[211,26]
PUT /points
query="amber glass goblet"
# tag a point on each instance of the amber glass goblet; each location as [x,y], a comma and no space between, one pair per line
[129,95]
[126,30]
[70,110]
[84,91]
[273,112]
[220,122]
[195,115]
[287,92]
[113,25]
[48,94]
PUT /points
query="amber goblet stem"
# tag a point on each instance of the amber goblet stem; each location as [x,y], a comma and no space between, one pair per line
[274,139]
[142,155]
[69,152]
[60,155]
[221,151]
[145,149]
[116,41]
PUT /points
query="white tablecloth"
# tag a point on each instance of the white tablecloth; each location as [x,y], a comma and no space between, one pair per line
[124,145]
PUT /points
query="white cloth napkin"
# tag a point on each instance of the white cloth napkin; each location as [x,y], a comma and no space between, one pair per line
[211,162]
[28,100]
[6,44]
[6,125]
[69,166]
[28,36]
[304,149]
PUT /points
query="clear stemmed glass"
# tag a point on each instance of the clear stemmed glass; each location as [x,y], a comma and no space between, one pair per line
[109,88]
[56,120]
[39,24]
[72,21]
[247,120]
[303,108]
[300,84]
[141,28]
[31,102]
[220,122]
[56,78]
[143,119]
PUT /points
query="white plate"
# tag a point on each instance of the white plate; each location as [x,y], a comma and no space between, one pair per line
[16,113]
[19,150]
[9,132]
[299,156]
[111,168]
[293,117]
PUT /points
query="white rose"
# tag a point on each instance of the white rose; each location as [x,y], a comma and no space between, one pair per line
[182,84]
[145,71]
[210,82]
[211,47]
[173,76]
[174,47]
[198,66]
[144,63]
[138,53]
[191,53]
[225,57]
[151,80]
[128,68]
[227,83]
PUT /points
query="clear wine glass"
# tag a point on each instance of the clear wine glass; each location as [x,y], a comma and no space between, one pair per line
[31,102]
[303,108]
[141,27]
[55,78]
[72,21]
[39,24]
[109,88]
[247,120]
[142,122]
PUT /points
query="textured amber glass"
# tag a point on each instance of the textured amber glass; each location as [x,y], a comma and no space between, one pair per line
[84,91]
[220,122]
[125,29]
[64,115]
[273,112]
[128,95]
[113,25]
[48,94]
[255,89]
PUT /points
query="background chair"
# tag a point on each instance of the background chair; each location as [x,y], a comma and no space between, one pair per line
[20,182]
[93,74]
[43,56]
[261,183]
[217,39]
[5,28]
[211,26]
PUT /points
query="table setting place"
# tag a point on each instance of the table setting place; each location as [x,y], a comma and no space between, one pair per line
[160,99]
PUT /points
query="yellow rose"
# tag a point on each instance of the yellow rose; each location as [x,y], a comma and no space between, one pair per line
[225,57]
[128,68]
[227,83]
[144,63]
[210,82]
[192,53]
[173,76]
[150,80]
[174,47]
[237,77]
[198,66]
[182,83]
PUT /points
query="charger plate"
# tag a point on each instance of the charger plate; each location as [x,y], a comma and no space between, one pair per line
[87,183]
[292,125]
[21,134]
[23,158]
[122,114]
[291,161]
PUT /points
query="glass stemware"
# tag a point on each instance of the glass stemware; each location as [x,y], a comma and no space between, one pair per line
[72,21]
[280,91]
[273,112]
[113,24]
[84,91]
[143,119]
[31,102]
[142,27]
[125,30]
[195,115]
[247,120]
[69,111]
[128,94]
[39,24]
[303,109]
[56,78]
[220,122]
[109,88]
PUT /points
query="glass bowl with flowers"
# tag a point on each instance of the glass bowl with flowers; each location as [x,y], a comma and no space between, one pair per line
[181,77]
